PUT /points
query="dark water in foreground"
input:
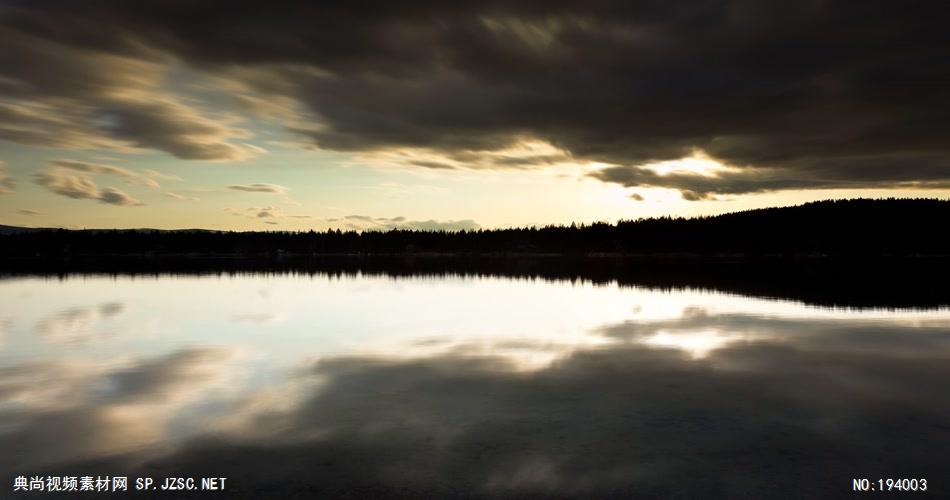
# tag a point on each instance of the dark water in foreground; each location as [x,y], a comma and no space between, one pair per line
[369,385]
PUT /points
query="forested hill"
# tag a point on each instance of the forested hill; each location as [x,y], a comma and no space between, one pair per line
[841,227]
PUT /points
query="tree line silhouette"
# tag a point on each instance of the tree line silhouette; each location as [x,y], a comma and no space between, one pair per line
[895,227]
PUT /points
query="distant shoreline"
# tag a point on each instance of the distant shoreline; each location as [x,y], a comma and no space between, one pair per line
[907,228]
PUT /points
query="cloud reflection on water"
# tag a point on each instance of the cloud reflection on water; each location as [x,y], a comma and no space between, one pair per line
[768,405]
[78,324]
[61,411]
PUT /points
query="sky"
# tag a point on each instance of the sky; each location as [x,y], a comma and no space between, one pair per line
[434,115]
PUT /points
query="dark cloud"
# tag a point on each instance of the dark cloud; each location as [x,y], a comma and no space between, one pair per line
[170,125]
[432,164]
[113,196]
[131,177]
[390,219]
[364,218]
[74,185]
[521,153]
[71,186]
[26,211]
[815,94]
[870,173]
[71,94]
[70,178]
[259,188]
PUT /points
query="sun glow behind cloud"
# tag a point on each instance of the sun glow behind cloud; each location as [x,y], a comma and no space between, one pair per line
[699,163]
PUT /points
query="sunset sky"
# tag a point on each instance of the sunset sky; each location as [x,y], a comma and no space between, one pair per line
[183,114]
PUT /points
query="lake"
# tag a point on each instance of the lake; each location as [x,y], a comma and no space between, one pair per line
[470,384]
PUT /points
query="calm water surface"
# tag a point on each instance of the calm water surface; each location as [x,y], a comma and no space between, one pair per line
[464,386]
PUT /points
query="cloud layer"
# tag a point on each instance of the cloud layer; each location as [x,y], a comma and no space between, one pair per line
[815,94]
[71,93]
